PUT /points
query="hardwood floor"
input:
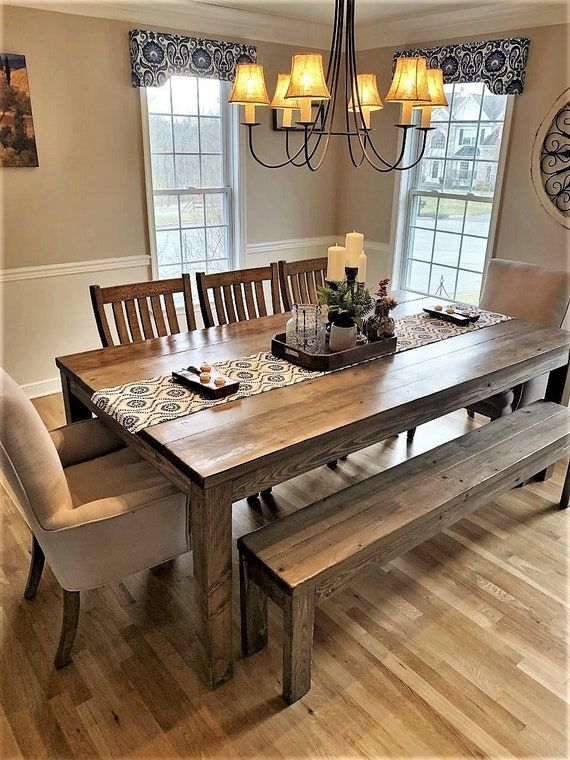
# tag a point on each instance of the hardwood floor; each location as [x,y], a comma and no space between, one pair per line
[456,649]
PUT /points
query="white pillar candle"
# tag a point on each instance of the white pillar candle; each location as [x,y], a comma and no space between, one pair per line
[336,263]
[354,246]
[361,276]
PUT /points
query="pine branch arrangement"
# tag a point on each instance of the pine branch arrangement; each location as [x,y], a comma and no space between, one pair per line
[347,304]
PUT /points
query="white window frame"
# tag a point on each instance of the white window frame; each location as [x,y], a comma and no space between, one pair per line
[403,199]
[234,171]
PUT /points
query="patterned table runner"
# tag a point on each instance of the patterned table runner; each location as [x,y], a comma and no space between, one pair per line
[144,403]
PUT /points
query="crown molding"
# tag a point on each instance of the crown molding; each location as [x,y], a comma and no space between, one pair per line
[196,18]
[463,22]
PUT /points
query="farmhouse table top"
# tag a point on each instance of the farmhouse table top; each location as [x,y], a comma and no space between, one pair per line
[221,454]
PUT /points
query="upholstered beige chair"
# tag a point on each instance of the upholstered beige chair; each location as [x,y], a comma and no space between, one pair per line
[97,511]
[532,293]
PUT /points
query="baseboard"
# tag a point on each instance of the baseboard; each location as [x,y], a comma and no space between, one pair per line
[42,388]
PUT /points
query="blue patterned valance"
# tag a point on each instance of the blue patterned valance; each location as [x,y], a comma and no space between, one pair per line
[500,64]
[156,56]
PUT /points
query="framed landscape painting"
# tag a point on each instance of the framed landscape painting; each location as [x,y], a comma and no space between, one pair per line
[17,137]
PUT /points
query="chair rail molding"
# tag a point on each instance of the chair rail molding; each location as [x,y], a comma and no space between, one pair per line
[73,267]
[303,244]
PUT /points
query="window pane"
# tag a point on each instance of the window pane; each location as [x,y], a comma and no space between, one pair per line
[473,252]
[212,173]
[458,176]
[425,210]
[478,219]
[436,142]
[494,107]
[187,171]
[467,102]
[431,177]
[418,276]
[442,281]
[450,214]
[468,286]
[421,243]
[168,272]
[215,209]
[210,135]
[194,244]
[484,178]
[186,134]
[446,249]
[192,210]
[160,131]
[489,142]
[158,99]
[162,172]
[184,95]
[166,211]
[216,242]
[168,247]
[209,96]
[218,265]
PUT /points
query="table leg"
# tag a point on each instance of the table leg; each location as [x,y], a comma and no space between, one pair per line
[554,392]
[212,555]
[75,410]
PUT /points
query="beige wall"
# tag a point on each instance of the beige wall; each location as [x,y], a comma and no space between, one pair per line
[86,201]
[525,231]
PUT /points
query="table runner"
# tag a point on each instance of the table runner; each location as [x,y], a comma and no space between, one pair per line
[143,403]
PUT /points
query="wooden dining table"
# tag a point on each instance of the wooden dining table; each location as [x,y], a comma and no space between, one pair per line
[236,449]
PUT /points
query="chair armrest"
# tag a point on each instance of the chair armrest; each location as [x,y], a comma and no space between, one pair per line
[84,440]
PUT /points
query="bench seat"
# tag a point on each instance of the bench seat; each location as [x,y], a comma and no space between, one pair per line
[316,550]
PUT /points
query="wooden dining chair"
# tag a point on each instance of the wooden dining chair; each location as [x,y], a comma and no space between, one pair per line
[300,280]
[238,295]
[142,310]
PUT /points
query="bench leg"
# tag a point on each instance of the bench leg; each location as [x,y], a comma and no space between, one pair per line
[253,604]
[566,490]
[411,434]
[299,616]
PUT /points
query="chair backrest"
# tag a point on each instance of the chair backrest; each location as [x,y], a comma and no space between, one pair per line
[142,310]
[29,457]
[299,280]
[526,291]
[238,295]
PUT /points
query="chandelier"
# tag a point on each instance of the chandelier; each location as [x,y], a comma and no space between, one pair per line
[317,103]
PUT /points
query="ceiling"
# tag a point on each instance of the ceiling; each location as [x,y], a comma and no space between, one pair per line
[307,22]
[367,11]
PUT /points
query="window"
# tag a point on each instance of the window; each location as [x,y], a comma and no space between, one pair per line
[448,204]
[191,170]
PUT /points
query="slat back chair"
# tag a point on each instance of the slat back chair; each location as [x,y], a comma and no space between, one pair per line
[238,295]
[142,310]
[300,280]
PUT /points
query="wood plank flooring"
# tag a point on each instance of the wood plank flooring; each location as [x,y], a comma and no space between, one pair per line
[456,649]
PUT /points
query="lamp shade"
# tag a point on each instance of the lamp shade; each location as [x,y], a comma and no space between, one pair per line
[410,83]
[368,94]
[435,86]
[249,85]
[279,99]
[307,77]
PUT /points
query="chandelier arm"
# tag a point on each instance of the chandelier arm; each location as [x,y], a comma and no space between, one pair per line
[350,75]
[425,131]
[259,160]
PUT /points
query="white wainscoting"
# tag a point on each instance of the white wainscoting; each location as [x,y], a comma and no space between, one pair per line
[46,310]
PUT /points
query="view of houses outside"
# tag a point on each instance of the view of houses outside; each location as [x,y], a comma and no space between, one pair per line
[451,195]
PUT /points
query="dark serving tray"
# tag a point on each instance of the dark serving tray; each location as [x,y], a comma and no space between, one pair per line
[331,360]
[457,319]
[190,378]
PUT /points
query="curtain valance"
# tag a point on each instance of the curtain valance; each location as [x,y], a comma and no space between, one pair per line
[500,64]
[156,56]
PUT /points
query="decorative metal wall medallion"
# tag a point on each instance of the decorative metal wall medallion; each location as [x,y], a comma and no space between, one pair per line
[550,167]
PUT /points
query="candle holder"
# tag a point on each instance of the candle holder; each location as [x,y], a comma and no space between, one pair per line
[351,274]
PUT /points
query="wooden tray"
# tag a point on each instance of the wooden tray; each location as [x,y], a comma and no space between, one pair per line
[190,378]
[331,360]
[457,319]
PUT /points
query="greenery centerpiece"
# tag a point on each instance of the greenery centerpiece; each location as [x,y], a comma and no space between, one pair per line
[348,304]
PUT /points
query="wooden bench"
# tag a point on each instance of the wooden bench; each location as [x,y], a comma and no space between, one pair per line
[313,552]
